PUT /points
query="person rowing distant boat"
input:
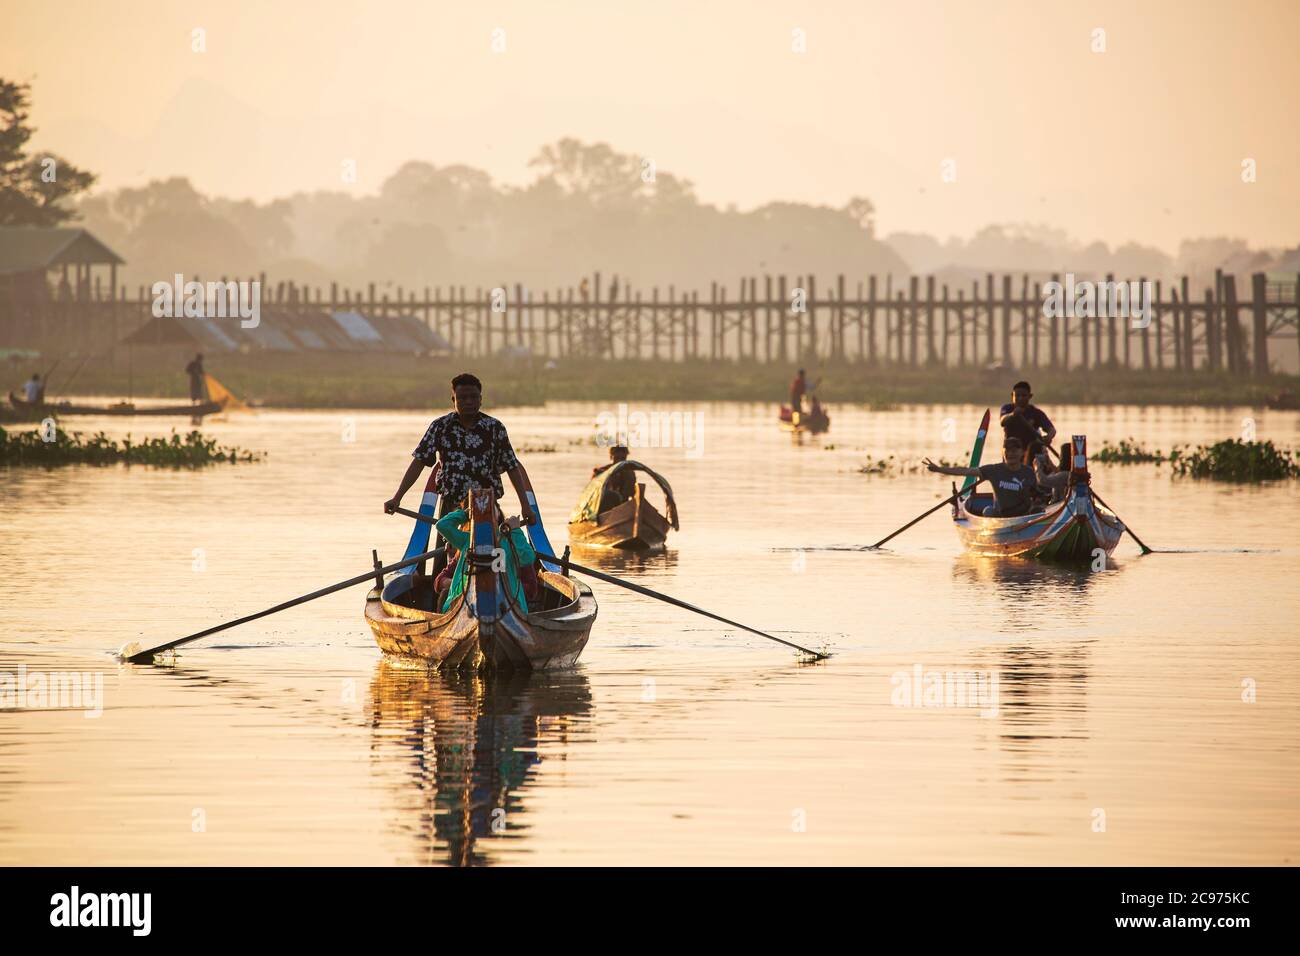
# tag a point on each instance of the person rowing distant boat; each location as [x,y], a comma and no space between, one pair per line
[1013,481]
[474,450]
[798,388]
[1027,422]
[622,484]
[198,379]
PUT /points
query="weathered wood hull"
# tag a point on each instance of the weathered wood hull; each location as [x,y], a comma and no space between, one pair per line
[459,641]
[67,408]
[1070,531]
[634,524]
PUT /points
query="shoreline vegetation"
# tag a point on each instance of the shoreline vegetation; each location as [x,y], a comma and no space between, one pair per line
[30,449]
[409,382]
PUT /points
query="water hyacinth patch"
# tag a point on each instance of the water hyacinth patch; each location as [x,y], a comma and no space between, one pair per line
[899,466]
[191,451]
[1126,452]
[1236,460]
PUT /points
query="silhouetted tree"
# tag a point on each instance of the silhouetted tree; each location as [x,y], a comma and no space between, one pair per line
[32,188]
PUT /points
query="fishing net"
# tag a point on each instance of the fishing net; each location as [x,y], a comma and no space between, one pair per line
[219,393]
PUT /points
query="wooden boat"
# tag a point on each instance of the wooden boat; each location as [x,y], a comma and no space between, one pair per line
[122,408]
[1070,530]
[815,421]
[634,523]
[483,631]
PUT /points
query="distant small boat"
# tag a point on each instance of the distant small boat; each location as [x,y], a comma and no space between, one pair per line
[634,523]
[484,631]
[1071,530]
[123,408]
[816,421]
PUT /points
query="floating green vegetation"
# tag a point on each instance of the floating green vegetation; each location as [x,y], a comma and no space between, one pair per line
[1236,460]
[899,466]
[536,449]
[1126,452]
[62,448]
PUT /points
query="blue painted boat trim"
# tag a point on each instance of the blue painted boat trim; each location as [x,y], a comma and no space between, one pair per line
[537,535]
[419,542]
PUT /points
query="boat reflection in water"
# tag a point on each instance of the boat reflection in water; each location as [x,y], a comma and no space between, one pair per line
[625,561]
[1020,579]
[1042,679]
[469,745]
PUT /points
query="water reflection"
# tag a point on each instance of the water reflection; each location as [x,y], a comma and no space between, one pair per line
[621,561]
[1022,579]
[469,747]
[1042,682]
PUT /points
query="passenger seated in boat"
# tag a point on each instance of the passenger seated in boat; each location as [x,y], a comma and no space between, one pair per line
[442,583]
[33,391]
[516,550]
[1055,479]
[1013,482]
[619,488]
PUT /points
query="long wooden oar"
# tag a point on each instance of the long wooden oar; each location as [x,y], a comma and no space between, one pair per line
[639,589]
[1102,502]
[925,514]
[1131,532]
[139,657]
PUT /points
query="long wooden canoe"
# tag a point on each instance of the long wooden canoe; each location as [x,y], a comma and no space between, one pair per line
[793,421]
[633,524]
[125,408]
[484,630]
[1071,530]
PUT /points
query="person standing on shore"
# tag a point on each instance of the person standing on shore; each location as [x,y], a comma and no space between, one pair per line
[474,450]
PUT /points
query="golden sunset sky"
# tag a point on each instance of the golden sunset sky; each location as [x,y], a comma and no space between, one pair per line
[1142,142]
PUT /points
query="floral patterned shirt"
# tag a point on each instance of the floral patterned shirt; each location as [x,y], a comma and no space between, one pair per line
[477,455]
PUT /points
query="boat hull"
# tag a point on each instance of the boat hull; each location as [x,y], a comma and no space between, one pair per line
[635,524]
[1071,531]
[67,408]
[458,641]
[804,423]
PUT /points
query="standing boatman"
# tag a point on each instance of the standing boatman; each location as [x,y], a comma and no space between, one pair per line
[1027,422]
[797,389]
[198,379]
[474,450]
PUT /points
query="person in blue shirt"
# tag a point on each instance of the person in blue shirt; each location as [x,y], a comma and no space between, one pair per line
[1027,422]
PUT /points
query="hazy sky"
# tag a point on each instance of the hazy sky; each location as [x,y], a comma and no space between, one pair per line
[1144,141]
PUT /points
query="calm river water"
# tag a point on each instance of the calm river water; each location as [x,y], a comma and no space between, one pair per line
[1142,714]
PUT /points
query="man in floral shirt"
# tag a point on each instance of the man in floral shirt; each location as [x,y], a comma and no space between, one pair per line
[474,450]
